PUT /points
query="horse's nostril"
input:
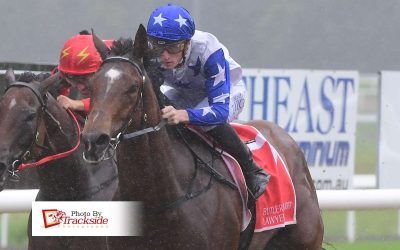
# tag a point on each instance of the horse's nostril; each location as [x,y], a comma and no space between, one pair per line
[103,140]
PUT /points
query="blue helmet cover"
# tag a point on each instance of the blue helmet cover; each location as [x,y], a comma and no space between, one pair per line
[171,22]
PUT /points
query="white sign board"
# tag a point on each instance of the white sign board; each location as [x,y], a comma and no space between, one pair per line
[389,131]
[318,109]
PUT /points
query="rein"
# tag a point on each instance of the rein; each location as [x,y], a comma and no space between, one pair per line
[190,194]
[16,167]
[56,156]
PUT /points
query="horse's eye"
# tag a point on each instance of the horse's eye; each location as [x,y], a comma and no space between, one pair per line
[30,117]
[132,89]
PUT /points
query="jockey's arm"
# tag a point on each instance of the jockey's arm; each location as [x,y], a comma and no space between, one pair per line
[63,91]
[216,113]
[216,70]
[175,116]
[78,105]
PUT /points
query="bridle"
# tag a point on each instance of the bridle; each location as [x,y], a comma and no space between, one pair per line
[122,135]
[37,144]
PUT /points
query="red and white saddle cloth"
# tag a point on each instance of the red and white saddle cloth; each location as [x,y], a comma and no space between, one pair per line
[277,206]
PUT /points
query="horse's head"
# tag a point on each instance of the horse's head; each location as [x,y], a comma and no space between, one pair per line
[20,111]
[117,90]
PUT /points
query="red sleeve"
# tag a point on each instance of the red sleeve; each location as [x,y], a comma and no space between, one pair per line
[55,70]
[86,104]
[65,91]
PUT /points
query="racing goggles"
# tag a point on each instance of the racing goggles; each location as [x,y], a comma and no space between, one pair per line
[158,46]
[77,78]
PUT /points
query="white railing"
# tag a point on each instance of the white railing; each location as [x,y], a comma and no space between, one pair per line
[17,201]
[355,199]
[20,201]
[13,201]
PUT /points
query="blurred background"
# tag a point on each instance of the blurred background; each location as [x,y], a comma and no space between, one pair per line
[314,34]
[359,35]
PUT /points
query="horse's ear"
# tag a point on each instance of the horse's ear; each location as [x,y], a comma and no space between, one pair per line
[10,77]
[100,46]
[48,82]
[140,45]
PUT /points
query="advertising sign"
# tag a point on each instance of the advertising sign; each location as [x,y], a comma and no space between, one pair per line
[318,109]
[389,131]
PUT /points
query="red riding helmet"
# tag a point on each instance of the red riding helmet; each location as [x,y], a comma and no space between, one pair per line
[79,55]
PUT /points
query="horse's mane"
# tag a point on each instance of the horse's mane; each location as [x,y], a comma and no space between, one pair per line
[154,71]
[122,46]
[29,76]
[53,89]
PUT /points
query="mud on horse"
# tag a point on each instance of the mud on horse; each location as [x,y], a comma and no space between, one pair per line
[34,127]
[186,208]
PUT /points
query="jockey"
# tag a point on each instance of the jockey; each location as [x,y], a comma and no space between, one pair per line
[203,83]
[78,62]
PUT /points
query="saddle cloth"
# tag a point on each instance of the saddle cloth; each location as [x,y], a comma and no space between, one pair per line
[277,206]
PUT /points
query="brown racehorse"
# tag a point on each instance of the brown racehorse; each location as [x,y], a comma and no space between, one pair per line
[32,121]
[185,208]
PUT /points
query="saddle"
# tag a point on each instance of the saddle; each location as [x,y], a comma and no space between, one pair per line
[277,206]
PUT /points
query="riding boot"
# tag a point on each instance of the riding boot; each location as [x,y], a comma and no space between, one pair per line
[227,138]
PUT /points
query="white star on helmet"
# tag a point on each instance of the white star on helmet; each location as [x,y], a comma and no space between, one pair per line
[181,21]
[159,19]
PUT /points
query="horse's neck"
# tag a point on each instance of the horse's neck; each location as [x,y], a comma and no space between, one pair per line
[61,139]
[66,174]
[154,172]
[150,169]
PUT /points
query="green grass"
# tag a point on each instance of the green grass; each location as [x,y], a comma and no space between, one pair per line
[378,224]
[375,230]
[17,229]
[366,148]
[371,224]
[364,245]
[335,225]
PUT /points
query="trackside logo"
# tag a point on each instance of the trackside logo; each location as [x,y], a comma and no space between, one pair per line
[91,218]
[54,217]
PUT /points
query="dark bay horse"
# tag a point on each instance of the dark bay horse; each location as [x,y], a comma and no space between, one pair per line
[32,121]
[185,208]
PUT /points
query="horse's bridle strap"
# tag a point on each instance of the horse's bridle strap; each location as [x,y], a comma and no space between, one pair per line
[34,90]
[156,128]
[57,156]
[124,59]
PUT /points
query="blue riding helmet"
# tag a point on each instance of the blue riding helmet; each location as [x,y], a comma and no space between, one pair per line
[171,22]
